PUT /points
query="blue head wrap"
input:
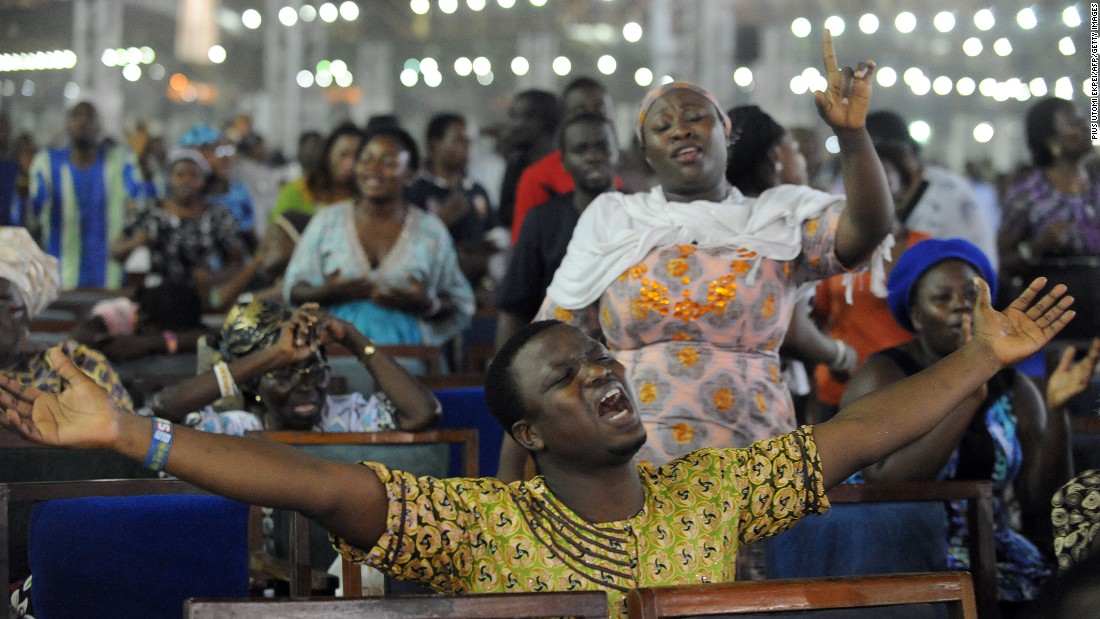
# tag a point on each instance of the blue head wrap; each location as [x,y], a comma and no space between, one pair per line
[199,136]
[923,256]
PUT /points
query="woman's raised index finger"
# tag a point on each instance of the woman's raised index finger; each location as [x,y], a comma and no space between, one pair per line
[829,54]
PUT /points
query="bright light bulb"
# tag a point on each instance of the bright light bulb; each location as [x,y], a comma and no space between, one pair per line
[632,32]
[482,66]
[561,66]
[288,16]
[920,131]
[972,47]
[305,78]
[427,65]
[520,66]
[463,66]
[448,6]
[798,85]
[1038,87]
[433,80]
[486,79]
[984,19]
[1071,17]
[742,76]
[835,25]
[886,76]
[643,77]
[409,77]
[475,5]
[216,54]
[905,22]
[1026,18]
[131,72]
[868,23]
[606,64]
[965,86]
[308,13]
[983,132]
[942,85]
[1002,47]
[944,21]
[328,12]
[420,7]
[251,19]
[801,27]
[1063,88]
[349,11]
[1067,47]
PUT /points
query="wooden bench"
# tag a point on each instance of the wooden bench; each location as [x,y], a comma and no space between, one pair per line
[484,606]
[764,596]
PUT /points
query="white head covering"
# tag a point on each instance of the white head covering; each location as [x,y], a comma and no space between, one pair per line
[31,270]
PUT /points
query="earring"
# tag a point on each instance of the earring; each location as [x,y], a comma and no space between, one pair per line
[778,167]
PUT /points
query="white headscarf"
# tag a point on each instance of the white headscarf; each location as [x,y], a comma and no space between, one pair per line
[616,231]
[31,270]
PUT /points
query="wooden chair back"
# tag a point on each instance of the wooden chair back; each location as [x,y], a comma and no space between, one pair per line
[954,589]
[979,512]
[430,356]
[299,547]
[484,606]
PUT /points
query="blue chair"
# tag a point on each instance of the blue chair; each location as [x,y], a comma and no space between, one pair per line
[130,548]
[465,407]
[887,528]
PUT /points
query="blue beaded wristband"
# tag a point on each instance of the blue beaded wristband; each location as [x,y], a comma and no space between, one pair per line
[161,445]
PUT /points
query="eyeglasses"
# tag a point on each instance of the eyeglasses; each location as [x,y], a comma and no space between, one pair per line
[315,371]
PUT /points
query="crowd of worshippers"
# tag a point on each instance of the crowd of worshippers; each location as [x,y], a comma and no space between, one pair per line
[682,305]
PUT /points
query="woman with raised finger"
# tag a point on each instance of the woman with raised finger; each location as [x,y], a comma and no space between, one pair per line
[692,284]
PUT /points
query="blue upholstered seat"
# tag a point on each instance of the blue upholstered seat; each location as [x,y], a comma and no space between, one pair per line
[135,556]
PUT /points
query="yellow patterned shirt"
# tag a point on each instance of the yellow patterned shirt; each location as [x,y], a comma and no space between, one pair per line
[484,536]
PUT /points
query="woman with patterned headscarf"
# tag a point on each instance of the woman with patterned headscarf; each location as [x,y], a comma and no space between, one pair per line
[28,283]
[692,284]
[275,375]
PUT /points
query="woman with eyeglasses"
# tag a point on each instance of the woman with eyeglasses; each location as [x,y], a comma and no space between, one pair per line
[274,375]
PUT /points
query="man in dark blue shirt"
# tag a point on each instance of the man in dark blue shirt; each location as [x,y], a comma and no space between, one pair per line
[590,152]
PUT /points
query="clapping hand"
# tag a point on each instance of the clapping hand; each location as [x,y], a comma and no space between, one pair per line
[1069,378]
[844,102]
[1026,325]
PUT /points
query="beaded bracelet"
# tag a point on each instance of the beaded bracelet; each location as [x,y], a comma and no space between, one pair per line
[160,445]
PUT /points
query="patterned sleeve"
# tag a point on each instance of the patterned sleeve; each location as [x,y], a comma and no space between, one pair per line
[428,524]
[818,258]
[780,481]
[95,365]
[1015,219]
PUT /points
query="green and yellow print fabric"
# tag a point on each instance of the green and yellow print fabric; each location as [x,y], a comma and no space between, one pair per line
[483,536]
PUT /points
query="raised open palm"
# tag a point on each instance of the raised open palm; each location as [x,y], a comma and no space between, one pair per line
[1026,325]
[847,96]
[82,415]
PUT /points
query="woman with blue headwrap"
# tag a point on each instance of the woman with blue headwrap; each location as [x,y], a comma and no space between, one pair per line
[221,190]
[1002,433]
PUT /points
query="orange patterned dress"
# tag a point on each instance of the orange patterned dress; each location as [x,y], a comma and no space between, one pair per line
[700,344]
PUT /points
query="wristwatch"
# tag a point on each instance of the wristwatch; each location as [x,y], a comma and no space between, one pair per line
[368,351]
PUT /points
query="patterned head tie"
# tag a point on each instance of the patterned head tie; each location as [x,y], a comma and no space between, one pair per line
[28,268]
[1075,515]
[664,89]
[252,327]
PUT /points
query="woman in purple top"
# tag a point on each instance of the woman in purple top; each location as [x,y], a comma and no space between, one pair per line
[1055,211]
